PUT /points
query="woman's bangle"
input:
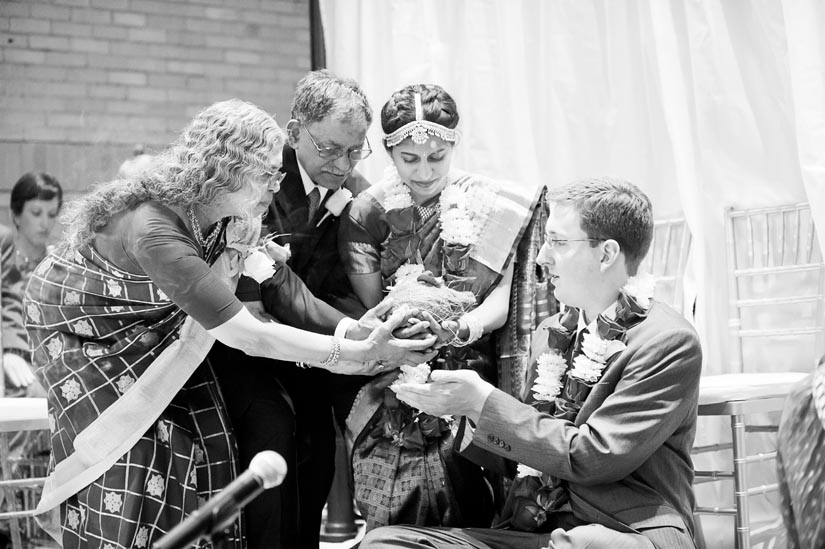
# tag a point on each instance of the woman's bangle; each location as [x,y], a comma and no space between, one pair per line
[334,355]
[475,328]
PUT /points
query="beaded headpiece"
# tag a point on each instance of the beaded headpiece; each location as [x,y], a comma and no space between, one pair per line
[419,128]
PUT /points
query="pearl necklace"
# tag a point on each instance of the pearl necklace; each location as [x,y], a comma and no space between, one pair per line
[211,237]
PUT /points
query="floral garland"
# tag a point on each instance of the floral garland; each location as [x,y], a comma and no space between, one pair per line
[588,366]
[464,212]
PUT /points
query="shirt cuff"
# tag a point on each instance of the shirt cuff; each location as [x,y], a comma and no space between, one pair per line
[343,326]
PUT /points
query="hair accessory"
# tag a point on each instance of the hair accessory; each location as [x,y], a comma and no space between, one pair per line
[419,129]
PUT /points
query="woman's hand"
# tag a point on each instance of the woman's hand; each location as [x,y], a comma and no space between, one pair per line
[17,370]
[413,328]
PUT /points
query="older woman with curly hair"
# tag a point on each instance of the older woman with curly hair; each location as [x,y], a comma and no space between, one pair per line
[122,316]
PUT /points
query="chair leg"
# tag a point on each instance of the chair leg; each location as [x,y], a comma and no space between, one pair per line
[10,493]
[740,482]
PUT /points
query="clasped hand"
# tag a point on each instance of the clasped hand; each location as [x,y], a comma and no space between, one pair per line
[397,339]
[449,392]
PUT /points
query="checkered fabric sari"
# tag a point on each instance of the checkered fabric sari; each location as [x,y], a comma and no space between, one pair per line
[139,434]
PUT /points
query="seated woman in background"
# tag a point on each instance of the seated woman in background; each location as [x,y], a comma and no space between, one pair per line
[463,229]
[122,316]
[36,200]
[801,461]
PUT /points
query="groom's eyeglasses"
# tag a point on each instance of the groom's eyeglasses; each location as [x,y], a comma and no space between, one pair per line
[558,243]
[337,152]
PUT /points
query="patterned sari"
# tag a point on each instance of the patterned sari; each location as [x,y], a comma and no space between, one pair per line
[139,434]
[403,466]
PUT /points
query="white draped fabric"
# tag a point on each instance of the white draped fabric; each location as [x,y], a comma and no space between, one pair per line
[705,104]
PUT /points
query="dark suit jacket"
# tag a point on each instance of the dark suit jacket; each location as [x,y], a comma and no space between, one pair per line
[314,247]
[285,293]
[626,459]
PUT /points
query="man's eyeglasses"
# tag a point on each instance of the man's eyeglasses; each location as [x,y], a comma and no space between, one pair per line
[556,243]
[337,152]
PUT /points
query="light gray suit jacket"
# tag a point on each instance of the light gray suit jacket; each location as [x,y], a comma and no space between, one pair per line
[626,459]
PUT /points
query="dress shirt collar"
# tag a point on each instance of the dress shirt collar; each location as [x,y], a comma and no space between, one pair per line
[609,313]
[309,184]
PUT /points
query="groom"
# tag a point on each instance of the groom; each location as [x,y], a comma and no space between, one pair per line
[603,441]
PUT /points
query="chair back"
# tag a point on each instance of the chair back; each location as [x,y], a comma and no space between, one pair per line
[777,289]
[667,259]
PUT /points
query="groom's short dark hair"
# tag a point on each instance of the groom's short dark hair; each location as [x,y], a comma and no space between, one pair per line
[611,208]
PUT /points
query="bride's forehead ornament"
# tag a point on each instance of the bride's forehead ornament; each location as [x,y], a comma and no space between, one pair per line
[419,129]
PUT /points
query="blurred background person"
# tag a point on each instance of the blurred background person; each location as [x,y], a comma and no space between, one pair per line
[36,200]
[800,461]
[139,161]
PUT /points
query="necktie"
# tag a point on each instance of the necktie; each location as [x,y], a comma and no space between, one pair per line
[314,199]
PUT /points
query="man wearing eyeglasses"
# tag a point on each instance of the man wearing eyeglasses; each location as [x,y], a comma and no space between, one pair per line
[327,137]
[600,440]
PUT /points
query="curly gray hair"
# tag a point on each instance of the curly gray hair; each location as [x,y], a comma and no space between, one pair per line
[224,146]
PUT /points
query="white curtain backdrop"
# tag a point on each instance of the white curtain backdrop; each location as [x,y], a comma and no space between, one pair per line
[705,104]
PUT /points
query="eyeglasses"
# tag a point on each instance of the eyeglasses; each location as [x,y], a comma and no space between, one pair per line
[556,243]
[275,179]
[337,152]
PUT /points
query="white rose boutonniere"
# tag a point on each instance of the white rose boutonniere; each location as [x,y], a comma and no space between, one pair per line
[336,203]
[258,266]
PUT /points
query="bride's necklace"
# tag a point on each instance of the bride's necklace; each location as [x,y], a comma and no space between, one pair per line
[196,227]
[426,212]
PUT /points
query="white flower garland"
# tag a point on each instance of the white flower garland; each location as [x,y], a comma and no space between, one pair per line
[641,288]
[396,195]
[551,367]
[589,365]
[463,212]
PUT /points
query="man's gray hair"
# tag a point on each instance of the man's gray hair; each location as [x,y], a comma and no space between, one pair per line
[321,94]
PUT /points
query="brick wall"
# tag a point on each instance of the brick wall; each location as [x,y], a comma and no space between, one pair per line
[83,81]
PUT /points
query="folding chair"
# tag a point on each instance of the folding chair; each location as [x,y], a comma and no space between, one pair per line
[667,259]
[777,278]
[19,414]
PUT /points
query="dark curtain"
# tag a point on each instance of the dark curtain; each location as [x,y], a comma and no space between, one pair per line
[316,36]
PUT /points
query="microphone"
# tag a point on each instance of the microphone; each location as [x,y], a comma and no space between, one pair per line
[266,470]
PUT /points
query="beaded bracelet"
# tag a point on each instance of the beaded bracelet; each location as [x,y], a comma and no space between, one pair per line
[334,355]
[476,330]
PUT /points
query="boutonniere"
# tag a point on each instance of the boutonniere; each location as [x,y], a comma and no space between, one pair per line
[336,203]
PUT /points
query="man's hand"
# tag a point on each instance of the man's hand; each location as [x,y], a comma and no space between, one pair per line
[450,392]
[258,311]
[17,370]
